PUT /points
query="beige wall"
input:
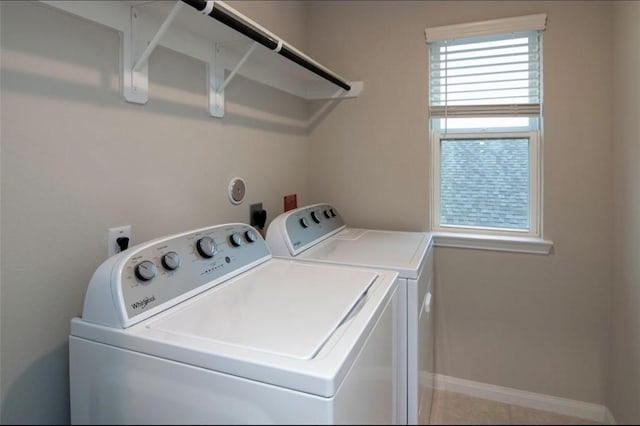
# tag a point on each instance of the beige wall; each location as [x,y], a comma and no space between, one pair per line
[623,391]
[77,159]
[530,322]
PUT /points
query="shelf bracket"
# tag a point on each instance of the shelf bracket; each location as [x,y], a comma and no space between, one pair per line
[237,67]
[136,74]
[215,74]
[156,38]
[217,82]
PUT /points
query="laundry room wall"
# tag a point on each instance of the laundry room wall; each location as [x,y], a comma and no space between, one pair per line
[623,389]
[531,322]
[77,159]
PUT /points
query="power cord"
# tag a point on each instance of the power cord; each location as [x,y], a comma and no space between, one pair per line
[259,219]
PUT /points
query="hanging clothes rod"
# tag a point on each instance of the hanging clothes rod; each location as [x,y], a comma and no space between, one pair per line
[225,16]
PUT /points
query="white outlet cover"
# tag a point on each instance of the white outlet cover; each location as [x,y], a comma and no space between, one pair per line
[113,234]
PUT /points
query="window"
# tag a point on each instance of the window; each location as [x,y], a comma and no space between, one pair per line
[485,118]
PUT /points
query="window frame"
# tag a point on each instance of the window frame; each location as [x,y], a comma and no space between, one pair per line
[535,184]
[510,240]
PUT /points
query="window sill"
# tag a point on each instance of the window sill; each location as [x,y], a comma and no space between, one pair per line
[493,242]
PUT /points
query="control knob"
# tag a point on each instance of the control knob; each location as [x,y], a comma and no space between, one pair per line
[236,239]
[304,223]
[146,270]
[171,261]
[206,247]
[315,217]
[251,236]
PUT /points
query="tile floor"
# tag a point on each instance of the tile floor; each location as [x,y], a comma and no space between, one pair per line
[453,408]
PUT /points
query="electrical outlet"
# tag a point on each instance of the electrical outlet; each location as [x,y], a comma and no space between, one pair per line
[253,208]
[112,239]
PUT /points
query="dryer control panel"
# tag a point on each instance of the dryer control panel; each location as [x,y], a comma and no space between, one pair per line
[303,228]
[153,276]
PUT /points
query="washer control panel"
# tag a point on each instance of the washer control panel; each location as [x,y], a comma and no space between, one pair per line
[153,276]
[308,225]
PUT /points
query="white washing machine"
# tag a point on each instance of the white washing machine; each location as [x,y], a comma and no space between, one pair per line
[318,233]
[206,327]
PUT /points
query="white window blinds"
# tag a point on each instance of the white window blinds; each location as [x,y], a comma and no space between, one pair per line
[486,76]
[486,69]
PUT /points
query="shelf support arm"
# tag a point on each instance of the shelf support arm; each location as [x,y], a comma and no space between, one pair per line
[156,38]
[237,67]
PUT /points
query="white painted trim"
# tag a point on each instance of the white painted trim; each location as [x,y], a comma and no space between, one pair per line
[530,245]
[608,417]
[494,26]
[568,407]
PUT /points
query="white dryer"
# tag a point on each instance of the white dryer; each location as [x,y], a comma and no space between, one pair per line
[317,233]
[205,327]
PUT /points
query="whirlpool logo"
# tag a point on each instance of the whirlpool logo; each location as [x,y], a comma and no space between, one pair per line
[141,304]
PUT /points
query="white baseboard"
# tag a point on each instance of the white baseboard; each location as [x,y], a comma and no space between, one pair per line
[608,418]
[568,407]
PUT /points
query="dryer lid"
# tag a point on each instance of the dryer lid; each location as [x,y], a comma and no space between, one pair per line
[285,309]
[404,252]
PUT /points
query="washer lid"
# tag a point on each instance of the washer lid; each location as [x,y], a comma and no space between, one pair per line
[284,310]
